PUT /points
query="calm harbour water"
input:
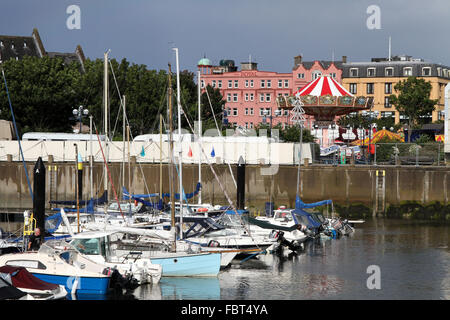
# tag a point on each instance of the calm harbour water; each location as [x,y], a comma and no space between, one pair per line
[413,256]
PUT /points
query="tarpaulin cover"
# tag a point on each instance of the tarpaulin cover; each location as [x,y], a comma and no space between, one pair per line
[9,292]
[21,278]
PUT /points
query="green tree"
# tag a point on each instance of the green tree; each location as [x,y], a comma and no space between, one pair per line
[413,100]
[42,93]
[212,105]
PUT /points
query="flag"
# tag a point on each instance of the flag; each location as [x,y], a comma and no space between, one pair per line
[142,152]
[190,152]
[213,154]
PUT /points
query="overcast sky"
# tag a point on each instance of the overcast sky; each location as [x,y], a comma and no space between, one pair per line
[271,31]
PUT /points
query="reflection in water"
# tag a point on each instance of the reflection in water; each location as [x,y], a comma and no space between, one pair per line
[190,288]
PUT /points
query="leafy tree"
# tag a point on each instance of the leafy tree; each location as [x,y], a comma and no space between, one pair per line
[212,104]
[413,100]
[42,93]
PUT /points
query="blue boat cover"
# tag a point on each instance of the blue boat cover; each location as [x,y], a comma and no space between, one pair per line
[126,194]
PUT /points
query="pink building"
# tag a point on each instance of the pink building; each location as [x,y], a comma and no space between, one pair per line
[250,94]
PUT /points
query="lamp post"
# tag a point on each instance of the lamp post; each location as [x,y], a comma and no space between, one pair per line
[277,113]
[80,112]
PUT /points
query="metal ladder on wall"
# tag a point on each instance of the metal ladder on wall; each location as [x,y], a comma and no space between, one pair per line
[53,182]
[380,192]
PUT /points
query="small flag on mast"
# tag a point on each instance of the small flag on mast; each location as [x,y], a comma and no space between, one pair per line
[190,152]
[213,154]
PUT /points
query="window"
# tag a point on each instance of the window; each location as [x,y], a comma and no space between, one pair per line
[214,83]
[439,72]
[353,72]
[246,83]
[389,72]
[230,84]
[387,114]
[220,84]
[300,76]
[315,74]
[370,88]
[269,83]
[251,111]
[388,88]
[426,71]
[32,264]
[246,111]
[407,71]
[261,112]
[387,103]
[333,75]
[263,83]
[202,83]
[251,83]
[252,96]
[280,83]
[235,97]
[286,83]
[371,72]
[268,97]
[236,83]
[268,112]
[261,97]
[228,97]
[353,88]
[251,125]
[235,112]
[246,97]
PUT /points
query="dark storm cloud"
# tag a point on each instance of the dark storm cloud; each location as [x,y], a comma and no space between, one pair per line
[272,32]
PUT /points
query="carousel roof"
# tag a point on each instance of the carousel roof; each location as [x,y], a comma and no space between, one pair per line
[324,85]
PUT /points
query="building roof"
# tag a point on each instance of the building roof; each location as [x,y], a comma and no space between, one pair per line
[16,47]
[204,62]
[397,66]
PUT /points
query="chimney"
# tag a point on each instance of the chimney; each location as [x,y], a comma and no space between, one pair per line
[344,59]
[297,61]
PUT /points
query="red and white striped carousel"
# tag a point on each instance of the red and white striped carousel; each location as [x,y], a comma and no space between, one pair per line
[324,99]
[323,86]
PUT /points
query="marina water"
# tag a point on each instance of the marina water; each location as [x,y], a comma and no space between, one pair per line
[413,259]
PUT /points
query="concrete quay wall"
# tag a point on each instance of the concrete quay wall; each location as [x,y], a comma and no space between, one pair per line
[376,187]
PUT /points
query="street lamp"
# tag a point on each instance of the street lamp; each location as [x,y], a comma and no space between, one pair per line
[268,113]
[80,112]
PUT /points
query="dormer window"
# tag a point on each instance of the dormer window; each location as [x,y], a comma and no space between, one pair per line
[389,72]
[353,72]
[24,44]
[1,44]
[371,72]
[12,45]
[426,71]
[407,71]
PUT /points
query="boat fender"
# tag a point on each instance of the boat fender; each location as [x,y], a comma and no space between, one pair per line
[202,210]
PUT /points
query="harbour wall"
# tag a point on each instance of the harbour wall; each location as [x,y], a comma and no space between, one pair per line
[369,190]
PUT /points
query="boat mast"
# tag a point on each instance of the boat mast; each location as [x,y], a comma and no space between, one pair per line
[199,138]
[179,145]
[172,195]
[160,156]
[123,139]
[106,102]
